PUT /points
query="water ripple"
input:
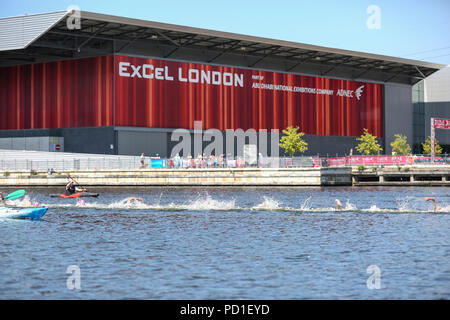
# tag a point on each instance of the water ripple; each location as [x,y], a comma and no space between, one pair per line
[249,243]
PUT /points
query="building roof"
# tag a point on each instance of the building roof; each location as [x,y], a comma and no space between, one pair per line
[49,37]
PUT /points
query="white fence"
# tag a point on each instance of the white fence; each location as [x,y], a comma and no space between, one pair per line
[13,160]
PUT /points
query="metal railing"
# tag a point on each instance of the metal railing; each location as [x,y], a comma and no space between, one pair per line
[133,163]
[69,164]
[382,160]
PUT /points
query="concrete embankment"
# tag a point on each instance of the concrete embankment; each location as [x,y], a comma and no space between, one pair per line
[387,176]
[186,177]
[403,176]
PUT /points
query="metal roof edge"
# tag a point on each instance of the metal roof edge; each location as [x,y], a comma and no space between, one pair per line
[242,37]
[48,28]
[34,14]
[39,29]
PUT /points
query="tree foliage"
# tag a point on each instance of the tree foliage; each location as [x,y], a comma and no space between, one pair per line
[427,146]
[368,144]
[292,141]
[400,145]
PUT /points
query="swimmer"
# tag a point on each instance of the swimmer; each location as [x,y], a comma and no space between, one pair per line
[26,202]
[131,200]
[436,206]
[338,204]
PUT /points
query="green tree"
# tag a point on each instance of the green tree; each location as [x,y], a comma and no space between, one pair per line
[292,141]
[400,145]
[427,146]
[369,144]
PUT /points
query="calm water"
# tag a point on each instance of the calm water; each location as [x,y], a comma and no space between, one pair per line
[231,243]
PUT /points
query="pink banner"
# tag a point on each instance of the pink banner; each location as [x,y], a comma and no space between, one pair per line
[441,123]
[379,160]
[371,161]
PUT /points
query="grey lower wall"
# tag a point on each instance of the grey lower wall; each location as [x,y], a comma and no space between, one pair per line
[89,140]
[48,144]
[437,110]
[437,104]
[333,145]
[83,140]
[134,141]
[398,113]
[157,142]
[153,142]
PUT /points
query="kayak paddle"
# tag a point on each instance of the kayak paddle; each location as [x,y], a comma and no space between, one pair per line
[15,194]
[70,177]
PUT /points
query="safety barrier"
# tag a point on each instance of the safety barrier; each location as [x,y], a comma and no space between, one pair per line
[131,163]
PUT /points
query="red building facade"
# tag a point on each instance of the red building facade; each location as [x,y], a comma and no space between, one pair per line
[141,92]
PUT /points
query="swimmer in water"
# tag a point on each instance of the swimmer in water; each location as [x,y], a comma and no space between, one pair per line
[436,206]
[338,204]
[131,200]
[135,201]
[26,202]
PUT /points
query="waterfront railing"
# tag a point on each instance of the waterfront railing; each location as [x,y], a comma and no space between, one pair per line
[133,163]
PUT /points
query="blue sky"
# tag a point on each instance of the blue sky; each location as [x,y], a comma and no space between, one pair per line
[411,29]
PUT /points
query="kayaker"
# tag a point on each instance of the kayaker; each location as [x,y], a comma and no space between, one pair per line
[70,188]
[3,198]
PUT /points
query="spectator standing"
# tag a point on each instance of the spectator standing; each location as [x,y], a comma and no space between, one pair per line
[260,160]
[142,160]
[176,161]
